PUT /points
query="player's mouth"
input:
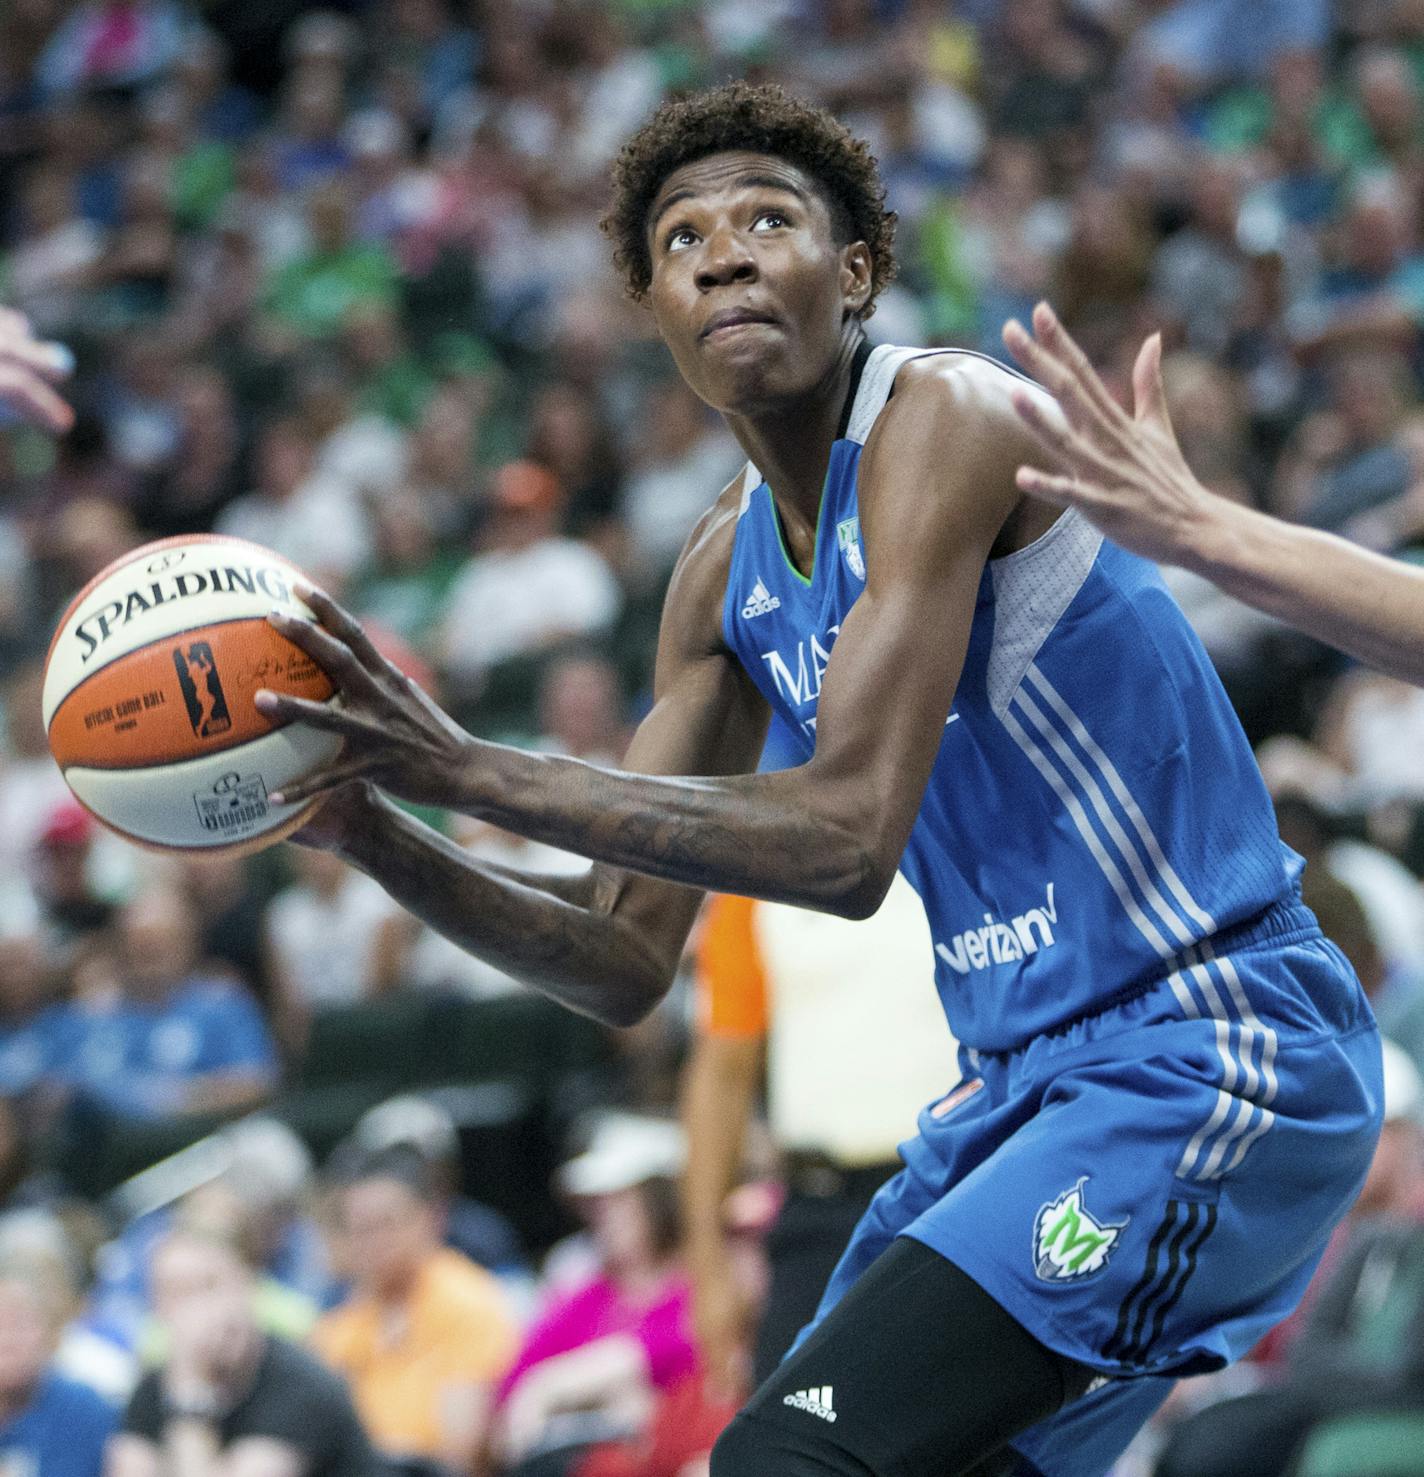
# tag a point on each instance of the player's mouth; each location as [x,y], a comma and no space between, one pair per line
[730,319]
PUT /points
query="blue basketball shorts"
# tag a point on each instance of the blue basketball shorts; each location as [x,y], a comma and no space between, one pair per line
[1149,1189]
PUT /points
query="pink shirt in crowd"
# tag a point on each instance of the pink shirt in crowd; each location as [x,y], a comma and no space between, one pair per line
[598,1310]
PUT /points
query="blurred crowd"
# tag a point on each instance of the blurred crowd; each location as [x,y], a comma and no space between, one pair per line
[280,1169]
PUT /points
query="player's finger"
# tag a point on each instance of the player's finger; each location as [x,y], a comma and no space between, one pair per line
[1053,487]
[341,623]
[1077,404]
[282,708]
[1062,442]
[1149,394]
[328,651]
[297,791]
[18,345]
[1058,341]
[28,394]
[1045,367]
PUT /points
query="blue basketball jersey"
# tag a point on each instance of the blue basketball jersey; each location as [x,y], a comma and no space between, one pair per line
[1094,810]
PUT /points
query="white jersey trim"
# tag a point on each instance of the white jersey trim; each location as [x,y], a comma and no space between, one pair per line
[751,480]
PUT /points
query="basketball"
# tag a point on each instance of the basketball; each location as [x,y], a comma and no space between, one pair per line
[148,690]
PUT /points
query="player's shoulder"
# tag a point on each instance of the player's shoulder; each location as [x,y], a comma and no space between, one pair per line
[699,579]
[966,393]
[953,401]
[714,532]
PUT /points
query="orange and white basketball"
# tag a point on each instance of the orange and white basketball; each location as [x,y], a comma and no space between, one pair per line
[148,692]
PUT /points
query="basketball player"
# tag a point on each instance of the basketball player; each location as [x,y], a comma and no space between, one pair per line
[1128,475]
[1170,1085]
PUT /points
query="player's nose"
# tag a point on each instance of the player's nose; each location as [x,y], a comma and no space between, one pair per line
[726,258]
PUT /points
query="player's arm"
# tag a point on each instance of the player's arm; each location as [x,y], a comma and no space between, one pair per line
[1127,473]
[606,943]
[827,835]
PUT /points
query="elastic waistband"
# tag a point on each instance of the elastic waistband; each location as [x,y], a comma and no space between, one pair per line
[1280,924]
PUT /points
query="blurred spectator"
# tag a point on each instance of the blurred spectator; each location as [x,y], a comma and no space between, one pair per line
[48,267]
[31,786]
[63,874]
[581,710]
[1211,40]
[50,1425]
[312,519]
[219,108]
[1200,274]
[527,589]
[1369,730]
[332,938]
[425,1333]
[50,1241]
[612,1337]
[229,1398]
[425,38]
[473,1229]
[171,1040]
[33,1035]
[185,493]
[253,1184]
[1348,460]
[405,584]
[227,908]
[1371,293]
[111,43]
[808,995]
[569,435]
[313,295]
[134,278]
[682,452]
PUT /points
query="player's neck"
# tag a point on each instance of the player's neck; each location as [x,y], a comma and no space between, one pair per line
[790,442]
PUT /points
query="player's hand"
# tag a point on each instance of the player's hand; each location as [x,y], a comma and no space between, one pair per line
[395,735]
[343,815]
[1127,473]
[29,370]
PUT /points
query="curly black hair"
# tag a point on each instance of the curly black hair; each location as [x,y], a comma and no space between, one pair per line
[760,120]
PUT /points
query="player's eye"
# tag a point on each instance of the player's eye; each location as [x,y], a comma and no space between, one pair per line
[678,239]
[769,220]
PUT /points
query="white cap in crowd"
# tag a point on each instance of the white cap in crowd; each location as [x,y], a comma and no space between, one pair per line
[624,1150]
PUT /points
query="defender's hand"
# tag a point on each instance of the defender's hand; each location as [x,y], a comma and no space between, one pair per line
[29,369]
[395,735]
[1127,473]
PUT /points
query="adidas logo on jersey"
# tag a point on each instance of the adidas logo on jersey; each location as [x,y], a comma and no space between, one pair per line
[760,602]
[817,1400]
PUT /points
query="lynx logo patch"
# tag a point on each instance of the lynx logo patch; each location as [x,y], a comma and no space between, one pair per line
[848,537]
[1068,1242]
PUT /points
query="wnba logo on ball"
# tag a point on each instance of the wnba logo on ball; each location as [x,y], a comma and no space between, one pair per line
[202,689]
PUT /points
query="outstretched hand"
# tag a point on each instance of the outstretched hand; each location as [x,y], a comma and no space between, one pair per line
[395,735]
[1126,473]
[29,370]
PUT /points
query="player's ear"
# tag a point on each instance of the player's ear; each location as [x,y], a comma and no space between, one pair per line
[856,276]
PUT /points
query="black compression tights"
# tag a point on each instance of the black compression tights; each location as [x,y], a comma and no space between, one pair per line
[929,1377]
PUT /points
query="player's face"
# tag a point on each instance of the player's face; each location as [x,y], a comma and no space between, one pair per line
[749,289]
